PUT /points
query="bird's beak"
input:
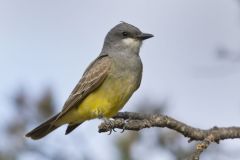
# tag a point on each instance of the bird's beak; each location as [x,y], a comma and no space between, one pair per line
[144,36]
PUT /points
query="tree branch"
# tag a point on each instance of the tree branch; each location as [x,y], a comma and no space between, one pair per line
[138,121]
[200,147]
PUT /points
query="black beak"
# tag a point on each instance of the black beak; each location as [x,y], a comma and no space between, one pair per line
[144,36]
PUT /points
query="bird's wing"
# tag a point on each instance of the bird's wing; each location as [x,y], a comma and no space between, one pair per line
[93,77]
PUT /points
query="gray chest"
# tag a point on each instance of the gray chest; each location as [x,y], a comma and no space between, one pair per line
[128,69]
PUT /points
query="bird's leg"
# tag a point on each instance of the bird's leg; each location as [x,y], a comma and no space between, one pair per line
[124,126]
[123,129]
[110,124]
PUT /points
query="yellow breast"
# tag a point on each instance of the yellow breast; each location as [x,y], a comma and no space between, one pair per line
[105,101]
[108,99]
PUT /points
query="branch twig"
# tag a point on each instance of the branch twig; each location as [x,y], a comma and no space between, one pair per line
[138,121]
[200,147]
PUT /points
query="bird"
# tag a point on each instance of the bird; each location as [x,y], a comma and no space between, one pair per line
[106,85]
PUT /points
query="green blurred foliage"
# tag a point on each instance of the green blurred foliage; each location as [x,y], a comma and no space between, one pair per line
[26,110]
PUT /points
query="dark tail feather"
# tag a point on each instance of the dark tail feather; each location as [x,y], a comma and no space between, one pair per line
[71,127]
[43,129]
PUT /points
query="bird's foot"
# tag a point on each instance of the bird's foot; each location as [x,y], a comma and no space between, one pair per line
[124,126]
[123,129]
[110,124]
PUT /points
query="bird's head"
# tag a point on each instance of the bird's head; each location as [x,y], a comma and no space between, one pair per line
[125,36]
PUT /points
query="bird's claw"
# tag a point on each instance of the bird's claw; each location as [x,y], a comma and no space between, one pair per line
[110,131]
[110,124]
[124,128]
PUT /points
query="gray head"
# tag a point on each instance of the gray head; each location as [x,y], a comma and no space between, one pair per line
[125,38]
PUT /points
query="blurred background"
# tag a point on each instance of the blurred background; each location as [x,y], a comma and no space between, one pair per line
[191,72]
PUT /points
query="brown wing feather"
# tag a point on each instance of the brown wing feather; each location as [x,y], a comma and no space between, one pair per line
[92,79]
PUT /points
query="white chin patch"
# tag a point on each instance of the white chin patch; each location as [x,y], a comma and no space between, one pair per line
[131,42]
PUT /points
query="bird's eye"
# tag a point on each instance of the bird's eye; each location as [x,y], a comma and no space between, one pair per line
[125,34]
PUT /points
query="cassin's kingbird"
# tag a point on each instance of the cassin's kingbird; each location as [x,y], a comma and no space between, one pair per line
[106,85]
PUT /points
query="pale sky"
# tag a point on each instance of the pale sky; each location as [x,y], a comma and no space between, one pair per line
[50,43]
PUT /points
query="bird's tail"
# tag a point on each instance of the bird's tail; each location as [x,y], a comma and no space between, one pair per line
[44,129]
